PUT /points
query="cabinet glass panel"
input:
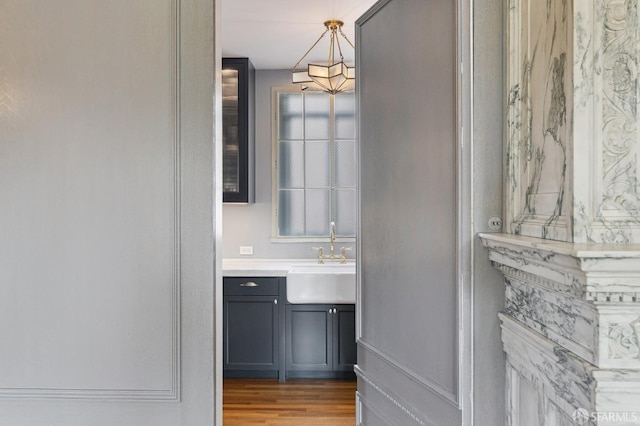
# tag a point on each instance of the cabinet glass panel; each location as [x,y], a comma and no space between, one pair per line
[238,85]
[230,139]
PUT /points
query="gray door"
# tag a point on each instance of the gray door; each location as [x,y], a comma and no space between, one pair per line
[106,225]
[411,362]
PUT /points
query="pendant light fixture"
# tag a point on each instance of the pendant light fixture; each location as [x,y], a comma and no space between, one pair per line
[334,77]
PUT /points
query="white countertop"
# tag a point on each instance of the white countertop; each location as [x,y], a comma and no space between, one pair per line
[263,267]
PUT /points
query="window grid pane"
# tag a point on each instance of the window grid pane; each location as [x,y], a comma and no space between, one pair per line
[318,212]
[345,118]
[290,115]
[345,215]
[345,161]
[317,122]
[291,160]
[318,164]
[291,212]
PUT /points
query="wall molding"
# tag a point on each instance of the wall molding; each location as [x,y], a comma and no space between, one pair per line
[389,397]
[173,392]
[411,374]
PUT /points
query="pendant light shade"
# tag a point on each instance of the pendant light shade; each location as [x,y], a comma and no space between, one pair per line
[335,76]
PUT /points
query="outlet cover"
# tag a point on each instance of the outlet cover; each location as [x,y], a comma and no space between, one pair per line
[495,223]
[246,250]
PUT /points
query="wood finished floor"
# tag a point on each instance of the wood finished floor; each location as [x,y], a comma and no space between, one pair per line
[296,402]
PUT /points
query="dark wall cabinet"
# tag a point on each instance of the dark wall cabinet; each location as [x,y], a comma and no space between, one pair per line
[238,134]
[252,324]
[320,340]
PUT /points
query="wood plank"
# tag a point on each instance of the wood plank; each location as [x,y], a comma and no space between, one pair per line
[295,402]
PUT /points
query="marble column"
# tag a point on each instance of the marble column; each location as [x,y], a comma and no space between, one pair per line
[570,253]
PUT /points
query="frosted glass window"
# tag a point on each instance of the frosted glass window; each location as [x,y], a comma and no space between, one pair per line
[317,124]
[290,110]
[318,212]
[345,158]
[318,164]
[345,105]
[315,176]
[345,216]
[291,212]
[292,161]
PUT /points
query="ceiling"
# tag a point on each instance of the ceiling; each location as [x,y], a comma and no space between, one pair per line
[274,34]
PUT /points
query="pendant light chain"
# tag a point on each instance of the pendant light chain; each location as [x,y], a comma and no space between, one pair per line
[295,67]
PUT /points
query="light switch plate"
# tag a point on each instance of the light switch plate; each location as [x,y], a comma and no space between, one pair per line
[246,250]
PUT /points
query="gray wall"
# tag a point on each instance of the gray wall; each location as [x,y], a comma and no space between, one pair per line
[250,224]
[413,265]
[488,292]
[107,221]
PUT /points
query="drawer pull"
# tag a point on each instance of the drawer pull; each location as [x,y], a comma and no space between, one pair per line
[249,284]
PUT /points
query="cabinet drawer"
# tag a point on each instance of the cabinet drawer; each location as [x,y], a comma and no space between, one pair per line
[246,286]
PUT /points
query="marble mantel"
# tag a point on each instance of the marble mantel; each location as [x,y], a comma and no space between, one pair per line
[570,328]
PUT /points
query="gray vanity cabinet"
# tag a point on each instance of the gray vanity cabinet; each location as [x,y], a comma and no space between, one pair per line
[320,340]
[252,315]
[344,338]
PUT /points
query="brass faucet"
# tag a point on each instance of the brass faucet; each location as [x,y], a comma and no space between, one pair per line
[320,254]
[332,240]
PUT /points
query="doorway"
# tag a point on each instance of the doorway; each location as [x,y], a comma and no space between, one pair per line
[249,226]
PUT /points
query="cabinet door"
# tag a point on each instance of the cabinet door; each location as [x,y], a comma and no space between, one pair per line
[309,342]
[238,77]
[251,333]
[344,335]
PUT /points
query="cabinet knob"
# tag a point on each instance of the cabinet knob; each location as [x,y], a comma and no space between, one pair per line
[275,301]
[249,284]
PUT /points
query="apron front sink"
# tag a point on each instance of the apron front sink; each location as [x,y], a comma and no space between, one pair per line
[322,283]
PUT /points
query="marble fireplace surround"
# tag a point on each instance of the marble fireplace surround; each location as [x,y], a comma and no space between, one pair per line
[570,328]
[571,254]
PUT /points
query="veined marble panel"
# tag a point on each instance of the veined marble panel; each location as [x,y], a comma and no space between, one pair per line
[572,124]
[539,118]
[557,316]
[554,385]
[558,374]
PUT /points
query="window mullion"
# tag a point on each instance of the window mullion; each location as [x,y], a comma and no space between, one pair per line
[332,162]
[304,163]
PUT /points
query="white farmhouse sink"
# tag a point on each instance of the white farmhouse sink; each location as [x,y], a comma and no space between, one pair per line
[322,283]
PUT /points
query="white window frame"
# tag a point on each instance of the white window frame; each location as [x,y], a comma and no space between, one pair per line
[274,172]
